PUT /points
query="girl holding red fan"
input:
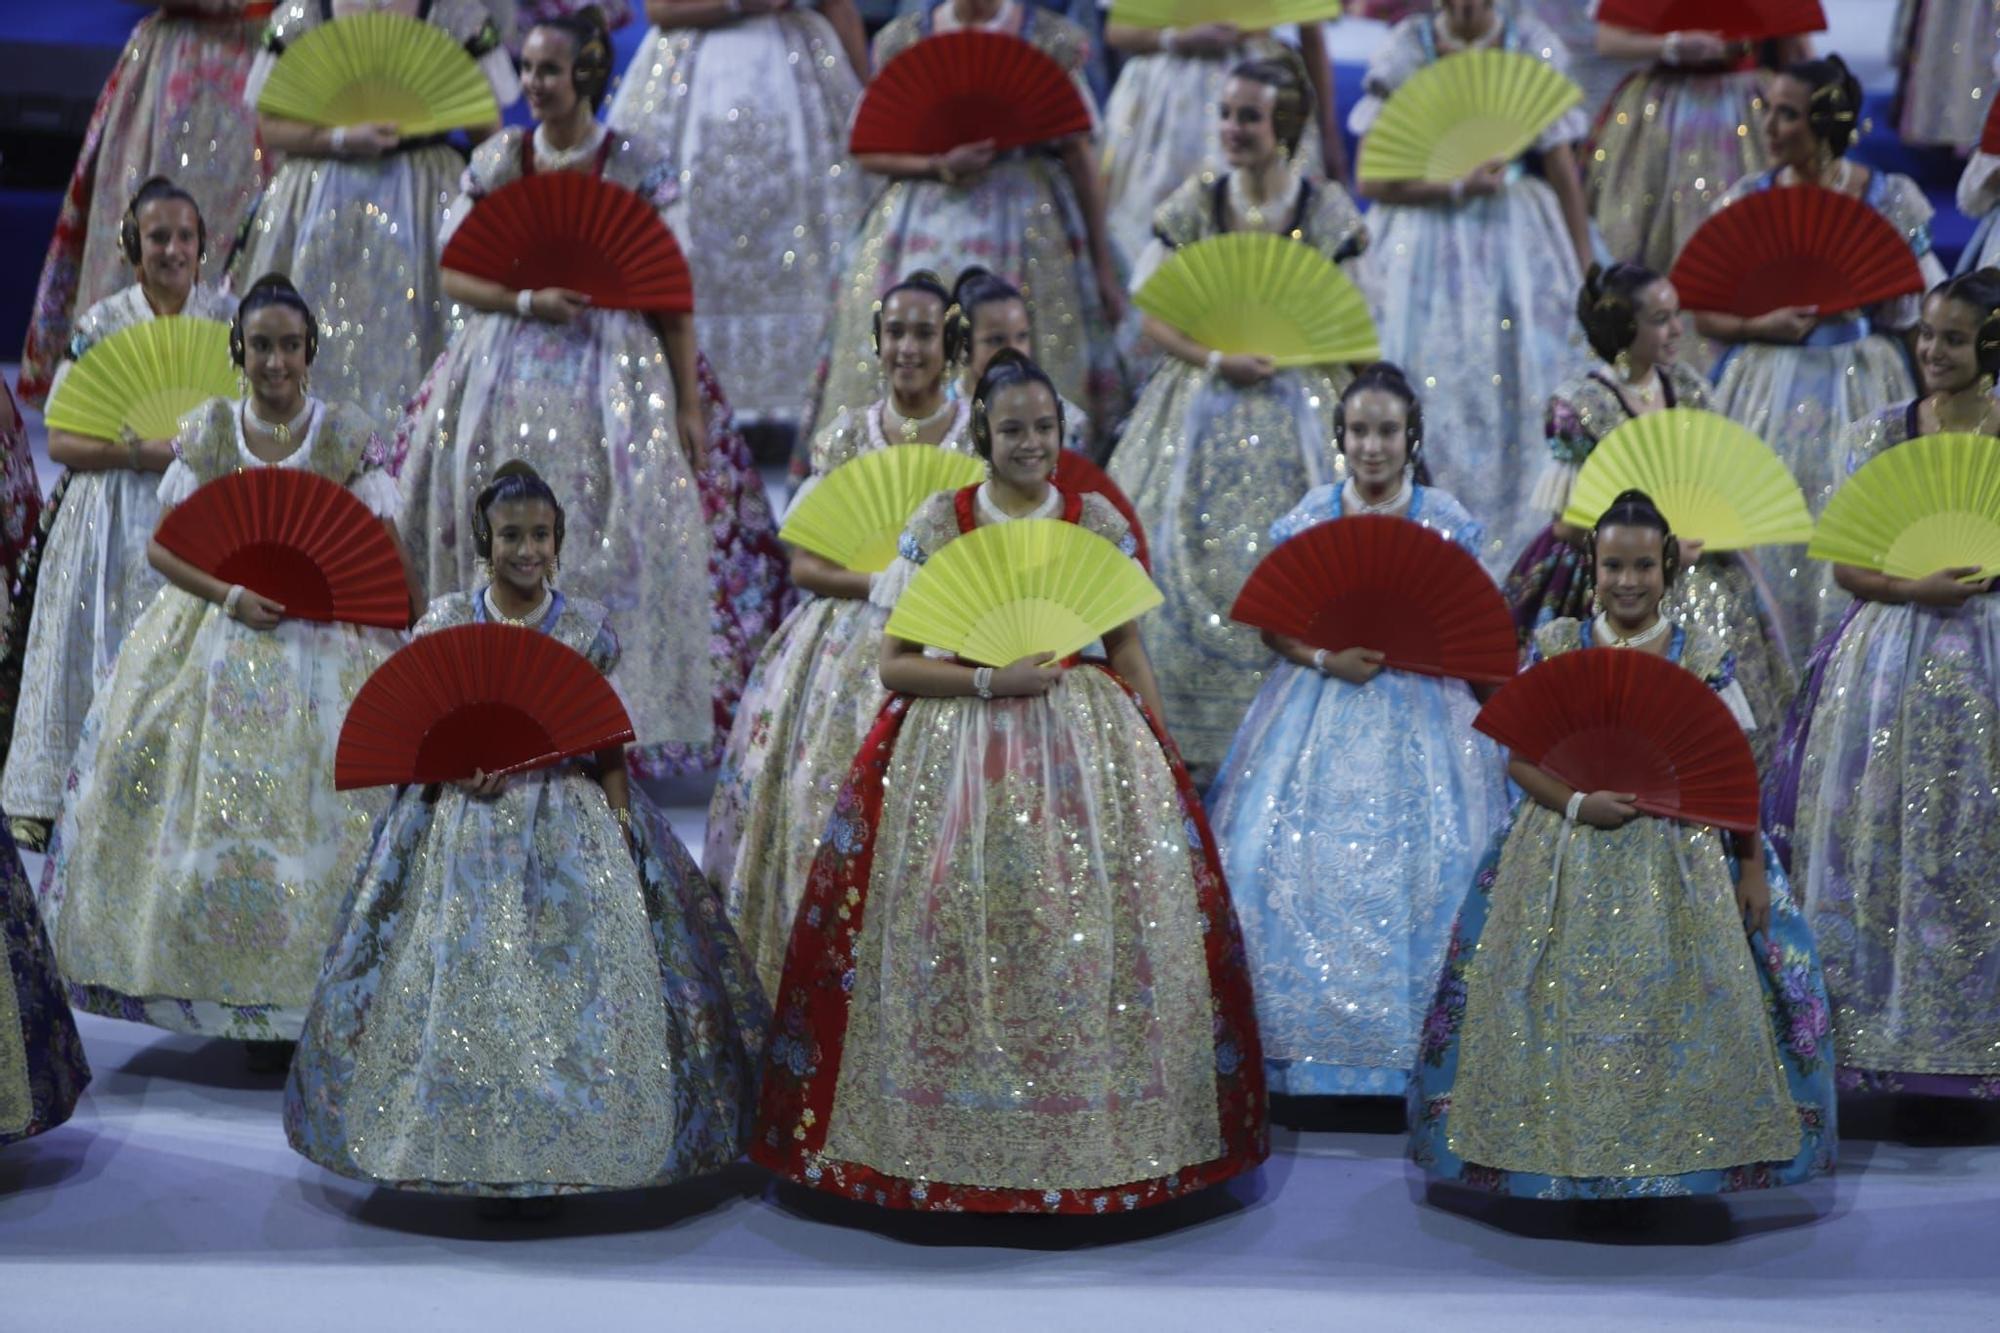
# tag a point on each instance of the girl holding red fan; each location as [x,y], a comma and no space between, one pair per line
[1603,1029]
[1796,375]
[533,992]
[1883,796]
[1015,983]
[1355,802]
[614,406]
[203,853]
[815,690]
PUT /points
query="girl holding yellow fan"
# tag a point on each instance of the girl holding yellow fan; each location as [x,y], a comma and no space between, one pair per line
[1883,797]
[815,689]
[91,578]
[1015,982]
[1224,440]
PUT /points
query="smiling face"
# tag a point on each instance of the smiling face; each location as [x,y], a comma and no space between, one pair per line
[1375,438]
[998,324]
[1658,313]
[1248,134]
[274,359]
[1947,339]
[169,247]
[1467,19]
[1026,431]
[524,545]
[1787,133]
[547,59]
[913,342]
[1631,575]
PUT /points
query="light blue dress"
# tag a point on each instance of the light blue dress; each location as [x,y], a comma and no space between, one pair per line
[1351,818]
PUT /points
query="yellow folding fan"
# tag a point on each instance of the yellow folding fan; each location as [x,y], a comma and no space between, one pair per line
[1928,504]
[857,512]
[1245,15]
[369,68]
[1713,479]
[1461,112]
[1263,295]
[1002,592]
[147,377]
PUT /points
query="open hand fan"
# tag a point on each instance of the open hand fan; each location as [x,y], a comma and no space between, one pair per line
[1713,479]
[1733,20]
[1373,581]
[962,87]
[486,698]
[1079,476]
[1613,719]
[569,229]
[1244,15]
[297,538]
[1462,112]
[1263,295]
[368,68]
[1799,245]
[1928,504]
[147,377]
[1035,585]
[857,513]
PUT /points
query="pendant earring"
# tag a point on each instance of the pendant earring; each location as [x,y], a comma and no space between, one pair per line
[1623,364]
[482,571]
[555,572]
[1985,384]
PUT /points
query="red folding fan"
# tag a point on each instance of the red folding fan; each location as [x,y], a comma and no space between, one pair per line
[1800,245]
[1384,583]
[1078,475]
[296,538]
[1624,720]
[568,229]
[962,87]
[1736,20]
[490,698]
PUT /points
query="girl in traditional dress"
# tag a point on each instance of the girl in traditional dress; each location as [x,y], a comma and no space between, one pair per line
[1475,275]
[533,991]
[609,404]
[1036,215]
[815,690]
[1222,446]
[24,528]
[771,198]
[1159,126]
[199,866]
[1676,134]
[1602,1027]
[93,577]
[1944,53]
[42,1068]
[1632,317]
[353,216]
[1797,375]
[1979,197]
[1015,982]
[1355,802]
[996,316]
[1883,800]
[173,104]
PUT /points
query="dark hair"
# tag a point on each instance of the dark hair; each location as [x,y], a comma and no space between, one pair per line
[1387,377]
[1979,289]
[1608,306]
[1007,370]
[1635,509]
[975,288]
[152,190]
[590,41]
[1286,75]
[1833,101]
[514,481]
[272,289]
[923,280]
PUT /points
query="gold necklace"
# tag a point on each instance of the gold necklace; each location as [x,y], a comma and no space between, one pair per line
[1979,423]
[1639,640]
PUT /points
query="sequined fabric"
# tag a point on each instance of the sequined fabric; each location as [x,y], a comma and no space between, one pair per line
[590,405]
[772,198]
[1210,467]
[1602,1028]
[199,867]
[811,699]
[173,106]
[1944,52]
[514,1004]
[93,582]
[1574,22]
[42,1068]
[1351,818]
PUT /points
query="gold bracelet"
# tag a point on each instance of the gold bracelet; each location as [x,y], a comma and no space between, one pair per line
[623,816]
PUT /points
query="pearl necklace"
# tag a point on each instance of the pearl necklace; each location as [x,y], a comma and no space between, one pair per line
[991,512]
[911,427]
[550,158]
[1645,636]
[528,621]
[1352,503]
[279,431]
[1253,214]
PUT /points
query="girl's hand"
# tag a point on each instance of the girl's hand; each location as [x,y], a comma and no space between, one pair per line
[1753,897]
[1944,589]
[557,305]
[1691,549]
[1035,674]
[1207,39]
[1485,179]
[259,613]
[1356,666]
[1608,809]
[967,160]
[691,421]
[1244,370]
[362,141]
[1787,324]
[484,786]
